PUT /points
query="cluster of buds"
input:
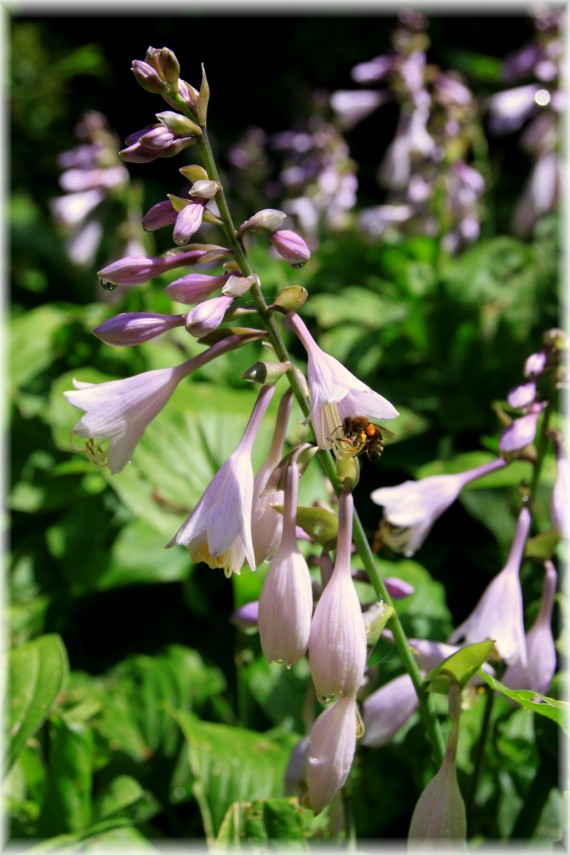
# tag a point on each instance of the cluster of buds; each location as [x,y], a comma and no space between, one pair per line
[432,188]
[92,175]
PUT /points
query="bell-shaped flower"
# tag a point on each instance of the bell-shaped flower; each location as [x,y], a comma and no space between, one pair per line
[499,613]
[130,328]
[218,531]
[266,522]
[286,602]
[439,815]
[195,287]
[335,392]
[332,743]
[353,106]
[120,410]
[207,316]
[337,647]
[541,652]
[387,709]
[160,215]
[411,508]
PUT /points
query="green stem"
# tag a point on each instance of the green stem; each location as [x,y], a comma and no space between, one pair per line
[430,722]
[480,752]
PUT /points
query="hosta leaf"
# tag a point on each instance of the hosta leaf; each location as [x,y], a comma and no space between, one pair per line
[551,707]
[37,673]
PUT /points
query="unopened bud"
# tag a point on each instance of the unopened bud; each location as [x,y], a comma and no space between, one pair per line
[194,173]
[266,221]
[556,338]
[237,286]
[348,470]
[170,68]
[203,99]
[147,77]
[205,189]
[375,619]
[177,124]
[291,298]
[266,373]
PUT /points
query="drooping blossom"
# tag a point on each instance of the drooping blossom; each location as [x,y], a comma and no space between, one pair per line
[335,392]
[290,246]
[337,647]
[541,652]
[134,270]
[411,508]
[439,816]
[129,328]
[332,743]
[386,710]
[120,410]
[499,613]
[286,602]
[266,522]
[218,531]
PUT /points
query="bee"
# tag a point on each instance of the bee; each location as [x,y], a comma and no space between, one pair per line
[359,435]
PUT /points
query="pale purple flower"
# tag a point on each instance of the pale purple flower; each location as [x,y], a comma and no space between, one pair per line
[332,743]
[218,531]
[535,364]
[82,180]
[522,395]
[130,328]
[335,392]
[286,602]
[195,287]
[509,109]
[541,652]
[337,647]
[412,139]
[386,710]
[539,195]
[499,613]
[266,522]
[73,208]
[207,316]
[352,107]
[520,432]
[373,70]
[411,508]
[136,269]
[81,246]
[246,616]
[120,410]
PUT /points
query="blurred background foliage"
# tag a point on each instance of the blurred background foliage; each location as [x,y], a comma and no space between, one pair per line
[155,664]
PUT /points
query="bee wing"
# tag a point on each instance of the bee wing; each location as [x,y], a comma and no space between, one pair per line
[388,433]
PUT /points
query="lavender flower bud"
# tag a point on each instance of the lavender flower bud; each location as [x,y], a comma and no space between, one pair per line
[291,246]
[160,215]
[178,125]
[387,709]
[266,222]
[129,328]
[207,316]
[147,77]
[522,396]
[188,222]
[332,743]
[194,287]
[169,67]
[519,434]
[535,364]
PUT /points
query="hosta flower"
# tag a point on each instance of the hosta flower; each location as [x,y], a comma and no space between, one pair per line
[266,522]
[136,269]
[332,743]
[560,501]
[387,709]
[337,647]
[541,652]
[195,287]
[499,613]
[411,508]
[520,432]
[290,246]
[120,410]
[335,392]
[286,602]
[218,531]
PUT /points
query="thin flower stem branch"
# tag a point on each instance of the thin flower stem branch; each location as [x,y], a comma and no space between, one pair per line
[543,441]
[480,752]
[430,722]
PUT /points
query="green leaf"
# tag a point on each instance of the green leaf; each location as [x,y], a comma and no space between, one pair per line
[551,707]
[265,821]
[37,675]
[125,797]
[457,668]
[319,523]
[31,342]
[232,764]
[67,808]
[356,305]
[542,545]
